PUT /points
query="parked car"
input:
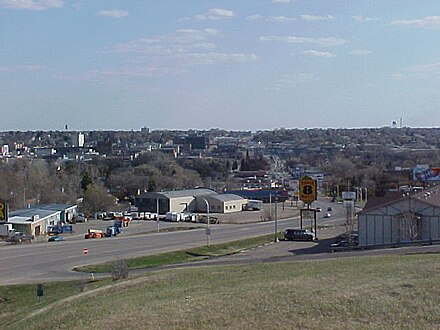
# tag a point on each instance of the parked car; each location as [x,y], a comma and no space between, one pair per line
[339,244]
[298,235]
[19,237]
[55,238]
[327,215]
[318,209]
[329,209]
[342,245]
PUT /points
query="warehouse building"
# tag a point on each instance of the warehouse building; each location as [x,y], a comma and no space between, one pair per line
[401,218]
[189,201]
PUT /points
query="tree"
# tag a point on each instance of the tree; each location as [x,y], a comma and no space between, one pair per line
[86,181]
[95,199]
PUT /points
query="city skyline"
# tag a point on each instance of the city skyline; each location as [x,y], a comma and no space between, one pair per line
[247,65]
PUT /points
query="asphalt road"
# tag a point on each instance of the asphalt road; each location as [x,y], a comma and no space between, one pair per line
[42,262]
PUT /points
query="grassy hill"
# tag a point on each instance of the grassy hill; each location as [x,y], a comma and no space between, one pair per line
[391,292]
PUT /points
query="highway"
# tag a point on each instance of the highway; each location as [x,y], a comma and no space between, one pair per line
[43,262]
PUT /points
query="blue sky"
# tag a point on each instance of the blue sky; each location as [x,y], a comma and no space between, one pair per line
[232,64]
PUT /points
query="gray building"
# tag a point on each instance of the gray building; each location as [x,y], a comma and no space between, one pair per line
[400,218]
[191,200]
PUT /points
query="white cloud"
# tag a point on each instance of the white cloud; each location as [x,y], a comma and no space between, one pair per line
[360,52]
[113,13]
[23,68]
[254,17]
[317,18]
[421,71]
[280,19]
[281,1]
[316,53]
[215,14]
[214,58]
[276,19]
[427,22]
[325,42]
[183,49]
[363,19]
[398,76]
[426,68]
[31,4]
[291,80]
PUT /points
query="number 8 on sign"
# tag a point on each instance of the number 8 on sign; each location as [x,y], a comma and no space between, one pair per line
[307,190]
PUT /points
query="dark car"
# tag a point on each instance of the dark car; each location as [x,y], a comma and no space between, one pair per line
[19,238]
[55,238]
[298,235]
[329,209]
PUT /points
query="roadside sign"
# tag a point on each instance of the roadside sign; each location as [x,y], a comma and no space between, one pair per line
[40,290]
[349,195]
[308,214]
[307,190]
[85,251]
[3,211]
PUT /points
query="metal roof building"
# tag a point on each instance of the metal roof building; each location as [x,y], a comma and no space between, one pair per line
[401,218]
[191,200]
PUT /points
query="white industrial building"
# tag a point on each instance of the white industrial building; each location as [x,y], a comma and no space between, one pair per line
[191,200]
[35,221]
[401,218]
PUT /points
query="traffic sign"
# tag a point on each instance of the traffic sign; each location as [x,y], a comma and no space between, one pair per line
[307,190]
[85,251]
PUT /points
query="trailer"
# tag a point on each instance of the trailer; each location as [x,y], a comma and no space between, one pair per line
[6,230]
[173,216]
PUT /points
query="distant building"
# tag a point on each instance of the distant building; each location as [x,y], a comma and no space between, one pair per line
[78,139]
[4,150]
[197,142]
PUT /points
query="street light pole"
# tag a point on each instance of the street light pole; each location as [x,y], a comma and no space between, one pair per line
[276,220]
[208,230]
[157,211]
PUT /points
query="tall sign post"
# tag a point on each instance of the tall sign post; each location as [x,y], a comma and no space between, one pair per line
[308,194]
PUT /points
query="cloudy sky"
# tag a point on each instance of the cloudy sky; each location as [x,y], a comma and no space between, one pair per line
[231,64]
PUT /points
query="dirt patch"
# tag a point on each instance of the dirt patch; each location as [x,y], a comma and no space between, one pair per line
[267,213]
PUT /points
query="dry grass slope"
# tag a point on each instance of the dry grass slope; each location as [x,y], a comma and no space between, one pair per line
[391,292]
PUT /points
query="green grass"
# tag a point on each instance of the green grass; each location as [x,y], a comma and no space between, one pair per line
[189,255]
[391,292]
[17,301]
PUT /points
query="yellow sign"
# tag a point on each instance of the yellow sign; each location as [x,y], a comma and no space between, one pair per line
[3,211]
[307,190]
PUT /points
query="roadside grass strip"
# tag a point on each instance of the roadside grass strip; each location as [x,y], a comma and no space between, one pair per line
[182,256]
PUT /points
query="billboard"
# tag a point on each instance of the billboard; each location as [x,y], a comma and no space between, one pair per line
[426,173]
